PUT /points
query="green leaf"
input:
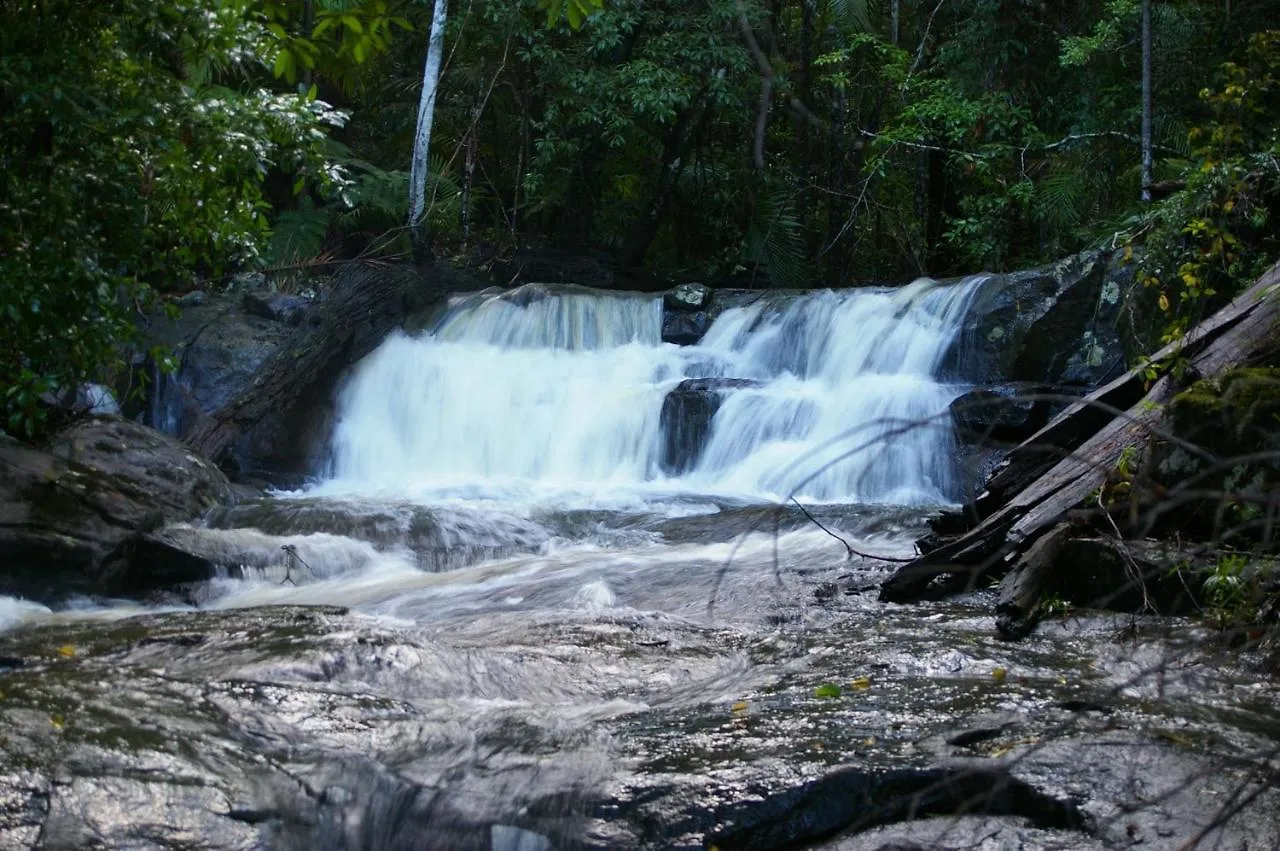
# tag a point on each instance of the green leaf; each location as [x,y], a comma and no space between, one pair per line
[827,691]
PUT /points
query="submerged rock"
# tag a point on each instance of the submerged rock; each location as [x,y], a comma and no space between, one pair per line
[66,514]
[686,419]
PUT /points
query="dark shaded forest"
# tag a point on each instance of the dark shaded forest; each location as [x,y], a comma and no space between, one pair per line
[150,147]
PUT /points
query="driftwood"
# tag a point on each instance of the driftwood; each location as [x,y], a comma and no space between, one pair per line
[367,302]
[1054,470]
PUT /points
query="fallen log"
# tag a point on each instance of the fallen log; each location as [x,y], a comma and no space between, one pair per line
[1031,493]
[1083,418]
[1101,572]
[367,301]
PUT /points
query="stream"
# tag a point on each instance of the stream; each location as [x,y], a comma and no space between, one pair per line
[531,606]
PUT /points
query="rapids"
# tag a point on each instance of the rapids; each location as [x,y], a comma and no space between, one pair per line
[564,393]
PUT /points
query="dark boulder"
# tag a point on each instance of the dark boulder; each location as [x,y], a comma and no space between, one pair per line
[275,427]
[278,307]
[1059,324]
[66,515]
[217,347]
[688,314]
[250,369]
[685,329]
[686,419]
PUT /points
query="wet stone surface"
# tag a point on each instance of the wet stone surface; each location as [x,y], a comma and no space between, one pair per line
[801,719]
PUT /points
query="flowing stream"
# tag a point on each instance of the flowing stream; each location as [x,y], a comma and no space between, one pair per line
[570,617]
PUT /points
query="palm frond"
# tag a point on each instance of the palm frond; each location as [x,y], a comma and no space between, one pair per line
[774,239]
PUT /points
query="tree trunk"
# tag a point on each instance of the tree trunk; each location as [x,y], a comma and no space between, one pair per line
[422,140]
[1146,100]
[1030,493]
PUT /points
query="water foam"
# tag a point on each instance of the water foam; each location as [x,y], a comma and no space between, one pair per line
[543,389]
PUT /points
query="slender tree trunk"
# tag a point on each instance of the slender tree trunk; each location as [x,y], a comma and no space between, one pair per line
[472,145]
[1146,100]
[422,142]
[894,19]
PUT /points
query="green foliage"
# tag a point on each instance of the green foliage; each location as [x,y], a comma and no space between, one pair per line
[1217,233]
[127,169]
[574,11]
[1238,589]
[332,38]
[774,240]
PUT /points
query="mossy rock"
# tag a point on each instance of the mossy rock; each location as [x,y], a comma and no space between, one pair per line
[1233,423]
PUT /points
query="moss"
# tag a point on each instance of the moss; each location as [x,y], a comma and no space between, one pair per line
[1233,414]
[1235,418]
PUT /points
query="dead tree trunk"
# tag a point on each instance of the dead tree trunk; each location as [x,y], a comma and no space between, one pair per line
[367,301]
[1055,469]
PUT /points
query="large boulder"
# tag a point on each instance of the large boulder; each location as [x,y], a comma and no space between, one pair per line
[68,514]
[1059,324]
[269,364]
[217,342]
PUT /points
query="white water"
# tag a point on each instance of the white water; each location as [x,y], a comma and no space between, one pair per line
[565,394]
[519,412]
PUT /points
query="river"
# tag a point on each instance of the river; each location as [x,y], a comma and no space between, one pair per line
[532,604]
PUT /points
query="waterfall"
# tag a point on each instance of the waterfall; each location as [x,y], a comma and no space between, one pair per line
[545,387]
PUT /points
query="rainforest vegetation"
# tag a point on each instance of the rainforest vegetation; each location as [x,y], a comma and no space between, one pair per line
[152,147]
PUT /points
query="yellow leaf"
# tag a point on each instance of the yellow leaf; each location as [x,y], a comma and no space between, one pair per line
[999,675]
[66,650]
[740,706]
[1164,302]
[861,683]
[57,722]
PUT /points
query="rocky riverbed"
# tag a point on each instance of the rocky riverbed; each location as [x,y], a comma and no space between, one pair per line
[673,693]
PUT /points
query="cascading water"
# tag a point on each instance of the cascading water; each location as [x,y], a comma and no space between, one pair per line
[564,389]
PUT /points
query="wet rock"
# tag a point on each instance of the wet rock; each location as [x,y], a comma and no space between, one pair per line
[685,329]
[1006,413]
[688,298]
[552,267]
[1057,324]
[685,325]
[854,799]
[287,727]
[279,307]
[440,538]
[66,513]
[218,348]
[686,419]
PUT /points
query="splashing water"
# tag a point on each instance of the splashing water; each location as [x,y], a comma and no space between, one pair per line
[542,389]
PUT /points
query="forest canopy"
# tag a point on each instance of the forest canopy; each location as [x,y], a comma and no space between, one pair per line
[152,147]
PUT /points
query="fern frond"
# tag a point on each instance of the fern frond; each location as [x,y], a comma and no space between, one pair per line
[298,234]
[774,240]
